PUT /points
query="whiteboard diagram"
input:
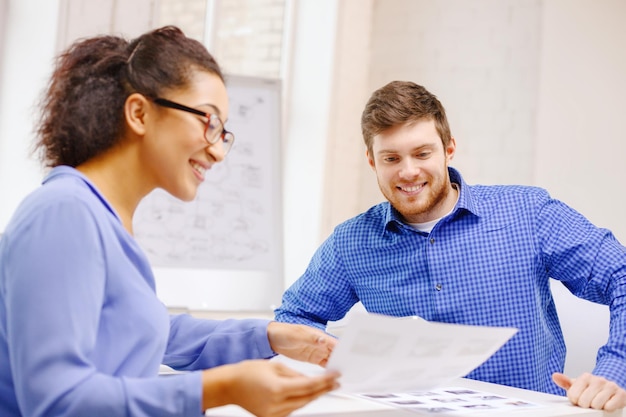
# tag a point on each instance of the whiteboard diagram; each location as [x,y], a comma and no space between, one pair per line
[235,222]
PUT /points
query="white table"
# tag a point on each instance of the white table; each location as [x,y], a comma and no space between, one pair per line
[342,405]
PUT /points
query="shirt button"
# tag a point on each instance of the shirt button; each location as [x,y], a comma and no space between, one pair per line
[438,287]
[432,240]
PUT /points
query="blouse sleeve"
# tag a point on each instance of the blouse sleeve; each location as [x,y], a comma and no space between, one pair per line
[199,344]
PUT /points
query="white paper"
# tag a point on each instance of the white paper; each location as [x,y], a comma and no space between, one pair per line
[386,354]
[450,400]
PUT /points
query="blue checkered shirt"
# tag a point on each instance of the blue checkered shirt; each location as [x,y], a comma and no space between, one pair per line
[487,263]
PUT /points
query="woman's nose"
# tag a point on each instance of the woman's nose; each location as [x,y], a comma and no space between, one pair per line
[216,151]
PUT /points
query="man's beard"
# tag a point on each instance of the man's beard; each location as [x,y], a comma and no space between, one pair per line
[422,204]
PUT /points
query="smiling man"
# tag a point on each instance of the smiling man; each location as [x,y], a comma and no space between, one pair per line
[411,163]
[469,254]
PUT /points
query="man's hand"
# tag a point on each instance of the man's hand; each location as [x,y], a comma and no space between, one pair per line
[300,342]
[592,391]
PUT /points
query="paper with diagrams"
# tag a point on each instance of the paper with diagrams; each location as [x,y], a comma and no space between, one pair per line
[385,354]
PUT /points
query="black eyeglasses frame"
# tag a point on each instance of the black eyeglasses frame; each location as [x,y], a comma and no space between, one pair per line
[226,136]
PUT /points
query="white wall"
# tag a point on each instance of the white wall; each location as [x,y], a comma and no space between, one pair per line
[31,43]
[24,69]
[580,142]
[307,125]
[345,154]
[3,11]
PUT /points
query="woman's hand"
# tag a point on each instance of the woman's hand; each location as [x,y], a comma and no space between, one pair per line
[264,388]
[300,342]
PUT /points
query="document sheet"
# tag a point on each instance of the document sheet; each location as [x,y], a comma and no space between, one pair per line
[450,400]
[388,354]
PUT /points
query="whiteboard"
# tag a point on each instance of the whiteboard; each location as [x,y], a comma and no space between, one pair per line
[223,251]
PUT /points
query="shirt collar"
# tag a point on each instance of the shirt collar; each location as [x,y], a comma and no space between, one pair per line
[467,200]
[64,170]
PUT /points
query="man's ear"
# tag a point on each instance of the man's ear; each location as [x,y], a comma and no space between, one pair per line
[370,160]
[450,149]
[136,109]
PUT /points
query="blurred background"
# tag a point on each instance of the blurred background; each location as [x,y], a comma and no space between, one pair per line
[534,91]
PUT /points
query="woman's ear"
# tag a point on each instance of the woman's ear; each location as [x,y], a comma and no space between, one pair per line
[136,110]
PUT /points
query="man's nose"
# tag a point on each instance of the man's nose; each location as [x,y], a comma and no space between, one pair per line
[410,168]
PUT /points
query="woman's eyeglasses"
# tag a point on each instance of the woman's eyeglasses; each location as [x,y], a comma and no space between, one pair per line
[214,130]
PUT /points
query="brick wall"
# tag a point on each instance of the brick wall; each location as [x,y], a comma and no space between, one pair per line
[247,36]
[189,15]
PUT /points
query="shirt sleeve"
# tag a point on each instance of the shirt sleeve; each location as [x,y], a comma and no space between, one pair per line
[323,293]
[200,344]
[53,290]
[591,263]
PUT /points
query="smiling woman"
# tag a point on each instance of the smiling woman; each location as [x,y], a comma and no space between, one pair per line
[111,132]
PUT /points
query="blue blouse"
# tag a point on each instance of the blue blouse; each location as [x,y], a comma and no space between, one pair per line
[487,263]
[82,332]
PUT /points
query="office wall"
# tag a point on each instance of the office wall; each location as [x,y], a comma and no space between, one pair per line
[3,13]
[24,68]
[31,42]
[580,140]
[80,18]
[308,110]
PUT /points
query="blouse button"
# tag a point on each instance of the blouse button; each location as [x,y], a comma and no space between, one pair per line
[438,287]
